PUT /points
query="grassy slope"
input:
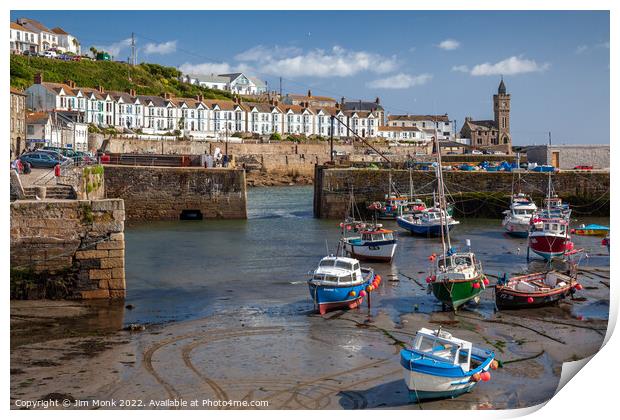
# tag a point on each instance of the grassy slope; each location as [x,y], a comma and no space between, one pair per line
[146,79]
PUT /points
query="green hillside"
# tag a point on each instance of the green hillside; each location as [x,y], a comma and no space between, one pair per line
[145,78]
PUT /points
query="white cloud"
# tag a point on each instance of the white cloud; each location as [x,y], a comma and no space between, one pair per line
[462,68]
[262,53]
[206,68]
[400,81]
[510,66]
[115,48]
[449,44]
[294,62]
[581,49]
[162,48]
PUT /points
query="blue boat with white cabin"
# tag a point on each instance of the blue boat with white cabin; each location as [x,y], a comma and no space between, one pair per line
[442,366]
[427,223]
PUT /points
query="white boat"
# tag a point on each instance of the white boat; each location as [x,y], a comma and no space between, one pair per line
[517,220]
[439,365]
[371,243]
[427,223]
[339,282]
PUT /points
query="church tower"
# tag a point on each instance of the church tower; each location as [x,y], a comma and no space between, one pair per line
[501,109]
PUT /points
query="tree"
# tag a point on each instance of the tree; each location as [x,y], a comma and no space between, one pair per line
[94,51]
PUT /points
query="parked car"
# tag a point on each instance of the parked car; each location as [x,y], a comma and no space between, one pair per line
[76,58]
[476,152]
[40,159]
[584,167]
[49,54]
[29,53]
[55,154]
[64,57]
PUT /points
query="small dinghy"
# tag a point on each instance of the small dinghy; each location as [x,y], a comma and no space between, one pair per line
[591,230]
[340,282]
[535,290]
[442,366]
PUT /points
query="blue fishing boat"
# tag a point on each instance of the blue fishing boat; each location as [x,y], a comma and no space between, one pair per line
[427,223]
[591,230]
[340,283]
[442,366]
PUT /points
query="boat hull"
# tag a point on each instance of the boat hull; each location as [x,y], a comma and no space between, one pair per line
[421,230]
[377,251]
[426,385]
[506,298]
[456,294]
[549,246]
[516,229]
[329,298]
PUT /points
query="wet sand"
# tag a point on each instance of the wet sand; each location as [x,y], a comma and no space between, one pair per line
[344,360]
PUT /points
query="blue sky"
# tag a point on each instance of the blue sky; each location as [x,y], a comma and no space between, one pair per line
[555,64]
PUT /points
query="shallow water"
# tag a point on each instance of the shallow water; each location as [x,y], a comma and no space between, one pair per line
[190,269]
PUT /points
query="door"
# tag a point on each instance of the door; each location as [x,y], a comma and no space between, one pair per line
[555,159]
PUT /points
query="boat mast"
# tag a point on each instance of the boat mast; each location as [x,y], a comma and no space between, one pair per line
[442,199]
[410,186]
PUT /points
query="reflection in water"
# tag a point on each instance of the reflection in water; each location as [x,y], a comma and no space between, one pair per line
[187,269]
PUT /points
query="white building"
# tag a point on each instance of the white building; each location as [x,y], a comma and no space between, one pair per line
[67,42]
[404,134]
[237,83]
[441,123]
[362,123]
[264,118]
[47,39]
[40,130]
[23,39]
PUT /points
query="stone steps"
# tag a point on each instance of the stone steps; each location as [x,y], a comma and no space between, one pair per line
[54,192]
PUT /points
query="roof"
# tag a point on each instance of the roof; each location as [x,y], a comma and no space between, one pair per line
[17,92]
[261,106]
[156,100]
[297,109]
[56,87]
[37,118]
[89,91]
[224,105]
[361,106]
[361,114]
[58,30]
[124,95]
[310,98]
[18,27]
[483,125]
[440,118]
[211,78]
[38,25]
[330,110]
[388,128]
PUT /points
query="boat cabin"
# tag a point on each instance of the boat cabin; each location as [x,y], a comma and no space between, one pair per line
[457,266]
[338,270]
[553,226]
[377,235]
[442,346]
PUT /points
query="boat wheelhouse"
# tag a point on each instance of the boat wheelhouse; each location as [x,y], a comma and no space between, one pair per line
[339,282]
[517,219]
[457,278]
[439,365]
[548,237]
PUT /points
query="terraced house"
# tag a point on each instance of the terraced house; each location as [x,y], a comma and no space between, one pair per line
[198,117]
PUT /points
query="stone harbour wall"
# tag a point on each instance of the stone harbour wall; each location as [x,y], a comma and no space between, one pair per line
[477,194]
[67,249]
[165,193]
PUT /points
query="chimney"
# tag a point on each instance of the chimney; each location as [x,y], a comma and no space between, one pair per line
[236,99]
[100,89]
[167,95]
[200,98]
[70,83]
[132,92]
[377,101]
[337,105]
[342,100]
[38,78]
[309,93]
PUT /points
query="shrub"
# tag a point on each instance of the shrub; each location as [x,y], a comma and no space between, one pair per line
[275,136]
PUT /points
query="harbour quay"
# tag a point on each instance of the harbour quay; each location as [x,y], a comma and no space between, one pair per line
[475,193]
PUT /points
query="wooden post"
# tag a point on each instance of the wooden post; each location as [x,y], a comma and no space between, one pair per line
[369,293]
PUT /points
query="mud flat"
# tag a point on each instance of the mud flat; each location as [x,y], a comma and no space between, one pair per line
[345,360]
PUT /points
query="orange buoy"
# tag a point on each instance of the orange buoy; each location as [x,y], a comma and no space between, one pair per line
[476,285]
[578,286]
[485,376]
[352,293]
[362,293]
[494,364]
[475,377]
[485,281]
[530,300]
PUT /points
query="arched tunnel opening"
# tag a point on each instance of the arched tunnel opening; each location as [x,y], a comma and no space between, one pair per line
[191,215]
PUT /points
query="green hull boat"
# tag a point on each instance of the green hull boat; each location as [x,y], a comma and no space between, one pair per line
[456,293]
